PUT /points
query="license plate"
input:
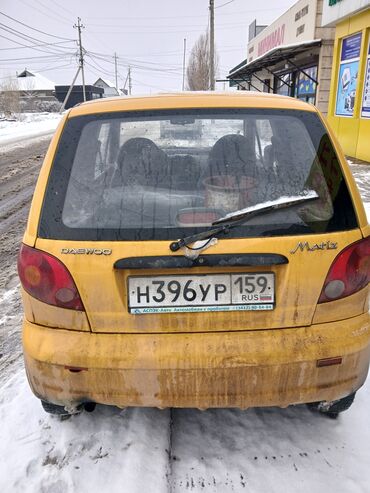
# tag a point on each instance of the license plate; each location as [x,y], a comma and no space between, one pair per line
[201,293]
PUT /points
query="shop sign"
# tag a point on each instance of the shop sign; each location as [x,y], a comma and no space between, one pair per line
[333,2]
[351,47]
[365,110]
[272,40]
[348,75]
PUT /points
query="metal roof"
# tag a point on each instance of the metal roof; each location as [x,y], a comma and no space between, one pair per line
[272,57]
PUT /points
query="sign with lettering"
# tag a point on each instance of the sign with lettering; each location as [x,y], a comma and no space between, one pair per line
[272,40]
[351,47]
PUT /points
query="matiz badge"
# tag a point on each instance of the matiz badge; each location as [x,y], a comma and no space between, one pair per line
[305,246]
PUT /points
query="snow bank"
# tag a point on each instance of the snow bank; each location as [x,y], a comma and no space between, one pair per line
[276,450]
[361,173]
[30,125]
[367,209]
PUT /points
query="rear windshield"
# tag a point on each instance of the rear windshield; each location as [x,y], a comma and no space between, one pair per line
[166,174]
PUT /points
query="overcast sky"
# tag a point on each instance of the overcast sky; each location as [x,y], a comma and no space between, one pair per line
[147,35]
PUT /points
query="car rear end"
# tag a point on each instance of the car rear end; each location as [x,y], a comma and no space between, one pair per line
[273,311]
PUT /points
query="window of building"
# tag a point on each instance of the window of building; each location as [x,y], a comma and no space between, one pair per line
[283,84]
[266,85]
[305,88]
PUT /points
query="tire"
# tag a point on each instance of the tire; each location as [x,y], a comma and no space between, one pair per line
[54,409]
[342,404]
[335,408]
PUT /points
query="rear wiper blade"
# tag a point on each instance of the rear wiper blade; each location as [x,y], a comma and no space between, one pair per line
[272,205]
[236,218]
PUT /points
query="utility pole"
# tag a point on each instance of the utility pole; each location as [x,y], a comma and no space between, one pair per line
[115,69]
[80,26]
[129,81]
[212,45]
[69,90]
[183,66]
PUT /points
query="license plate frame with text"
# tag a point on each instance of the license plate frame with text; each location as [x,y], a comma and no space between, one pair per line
[236,291]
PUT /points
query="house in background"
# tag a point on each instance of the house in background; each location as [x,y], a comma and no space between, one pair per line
[32,84]
[110,89]
[33,91]
[76,95]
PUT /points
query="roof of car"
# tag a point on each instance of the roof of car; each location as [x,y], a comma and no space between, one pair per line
[235,99]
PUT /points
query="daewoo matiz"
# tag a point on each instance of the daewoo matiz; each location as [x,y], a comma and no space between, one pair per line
[195,250]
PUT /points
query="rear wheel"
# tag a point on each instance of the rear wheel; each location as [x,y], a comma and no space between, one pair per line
[54,409]
[333,409]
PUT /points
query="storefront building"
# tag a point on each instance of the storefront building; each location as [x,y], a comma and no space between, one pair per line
[349,101]
[292,56]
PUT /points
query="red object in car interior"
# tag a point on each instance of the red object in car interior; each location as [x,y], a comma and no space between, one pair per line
[198,217]
[349,272]
[47,279]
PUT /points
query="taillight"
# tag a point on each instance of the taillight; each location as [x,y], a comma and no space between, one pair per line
[46,278]
[349,272]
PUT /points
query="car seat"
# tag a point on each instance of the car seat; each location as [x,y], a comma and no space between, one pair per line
[232,154]
[141,162]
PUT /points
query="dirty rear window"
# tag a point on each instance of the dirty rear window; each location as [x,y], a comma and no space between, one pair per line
[165,174]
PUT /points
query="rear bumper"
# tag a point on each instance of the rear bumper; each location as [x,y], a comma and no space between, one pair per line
[229,369]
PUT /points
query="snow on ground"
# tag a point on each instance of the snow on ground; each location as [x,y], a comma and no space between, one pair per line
[361,173]
[28,126]
[223,450]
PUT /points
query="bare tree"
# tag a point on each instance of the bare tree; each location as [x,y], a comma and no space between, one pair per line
[198,70]
[29,87]
[9,97]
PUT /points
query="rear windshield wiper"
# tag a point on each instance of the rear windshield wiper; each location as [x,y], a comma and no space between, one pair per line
[233,219]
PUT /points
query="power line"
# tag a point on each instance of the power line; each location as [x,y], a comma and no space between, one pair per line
[175,31]
[25,37]
[47,7]
[63,8]
[21,45]
[58,19]
[93,69]
[93,63]
[33,58]
[53,68]
[174,26]
[171,73]
[223,5]
[149,85]
[34,29]
[250,11]
[141,64]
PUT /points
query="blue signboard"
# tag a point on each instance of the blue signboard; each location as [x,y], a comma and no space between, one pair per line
[365,110]
[348,75]
[351,47]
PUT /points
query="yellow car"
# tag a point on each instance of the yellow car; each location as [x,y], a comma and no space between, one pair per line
[195,250]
